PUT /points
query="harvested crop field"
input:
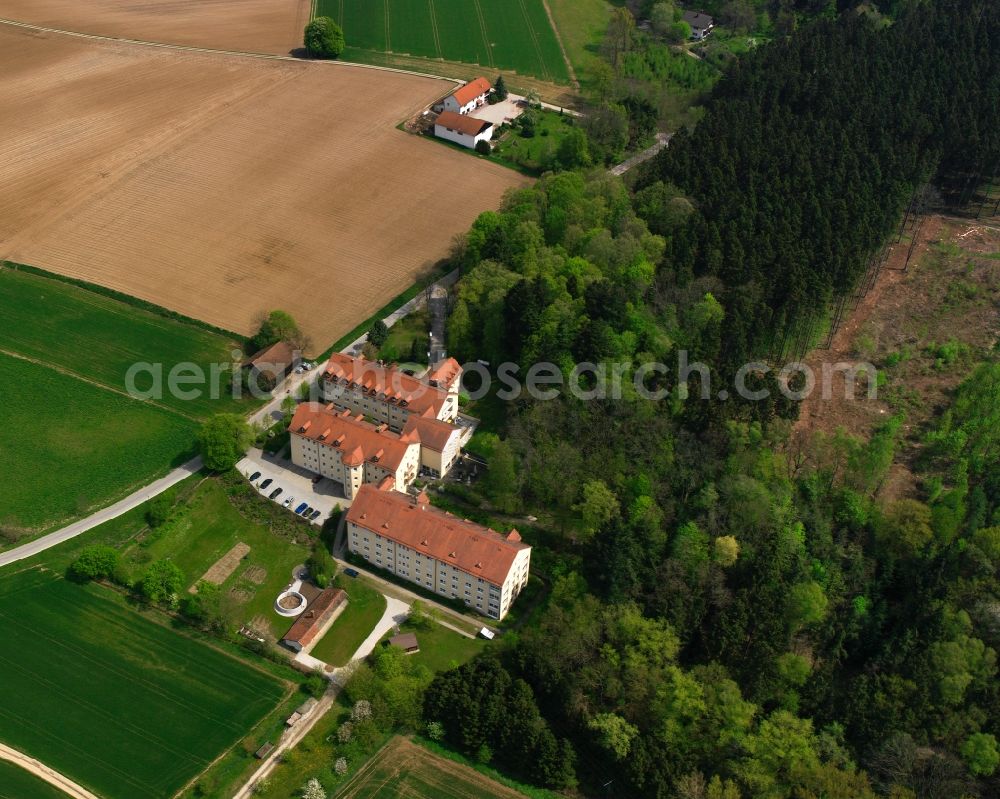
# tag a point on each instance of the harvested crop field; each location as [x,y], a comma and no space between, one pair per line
[222,186]
[256,26]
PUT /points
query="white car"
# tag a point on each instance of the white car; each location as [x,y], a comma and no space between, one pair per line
[288,501]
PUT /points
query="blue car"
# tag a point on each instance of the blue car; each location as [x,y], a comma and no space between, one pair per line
[351,572]
[302,507]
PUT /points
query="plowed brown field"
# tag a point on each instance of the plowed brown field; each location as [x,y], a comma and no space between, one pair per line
[223,186]
[258,26]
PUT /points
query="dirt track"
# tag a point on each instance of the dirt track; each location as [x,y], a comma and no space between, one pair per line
[45,773]
[222,186]
[257,26]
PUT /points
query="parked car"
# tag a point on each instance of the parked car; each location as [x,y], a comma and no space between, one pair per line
[314,515]
[307,511]
[301,507]
[288,502]
[266,483]
[254,476]
[274,494]
[350,572]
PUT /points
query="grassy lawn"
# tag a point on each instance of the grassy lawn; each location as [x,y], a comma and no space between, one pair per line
[403,335]
[141,708]
[205,526]
[534,154]
[442,649]
[581,25]
[99,338]
[16,783]
[497,34]
[83,446]
[364,608]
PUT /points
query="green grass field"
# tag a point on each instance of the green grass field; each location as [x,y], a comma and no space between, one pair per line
[99,338]
[120,704]
[16,783]
[582,24]
[441,649]
[365,607]
[80,444]
[204,527]
[497,34]
[68,422]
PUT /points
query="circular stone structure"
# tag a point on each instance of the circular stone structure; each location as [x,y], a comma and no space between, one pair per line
[289,604]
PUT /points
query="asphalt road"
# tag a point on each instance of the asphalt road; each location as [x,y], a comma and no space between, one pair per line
[106,514]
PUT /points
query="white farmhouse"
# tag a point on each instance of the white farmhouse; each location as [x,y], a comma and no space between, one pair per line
[701,24]
[461,129]
[468,98]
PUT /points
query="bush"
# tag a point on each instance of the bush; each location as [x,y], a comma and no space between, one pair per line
[223,440]
[158,510]
[97,562]
[162,582]
[324,38]
[483,147]
[378,333]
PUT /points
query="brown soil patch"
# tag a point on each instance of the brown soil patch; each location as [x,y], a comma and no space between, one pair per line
[240,595]
[223,568]
[256,26]
[223,186]
[254,574]
[388,774]
[949,296]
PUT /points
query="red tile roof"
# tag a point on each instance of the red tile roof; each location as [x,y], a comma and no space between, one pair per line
[274,360]
[355,439]
[385,383]
[471,90]
[462,123]
[431,433]
[308,625]
[468,546]
[445,373]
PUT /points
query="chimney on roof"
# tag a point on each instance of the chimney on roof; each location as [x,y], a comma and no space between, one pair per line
[305,426]
[329,407]
[325,433]
[479,564]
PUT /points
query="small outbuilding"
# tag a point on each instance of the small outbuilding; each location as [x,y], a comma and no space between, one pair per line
[405,641]
[462,129]
[264,751]
[701,24]
[271,365]
[310,626]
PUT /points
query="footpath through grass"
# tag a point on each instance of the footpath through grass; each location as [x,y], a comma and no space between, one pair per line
[122,705]
[16,783]
[365,607]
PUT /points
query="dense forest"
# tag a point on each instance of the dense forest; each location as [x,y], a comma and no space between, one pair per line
[723,620]
[810,151]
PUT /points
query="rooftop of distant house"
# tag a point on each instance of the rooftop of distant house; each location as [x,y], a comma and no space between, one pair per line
[462,123]
[471,90]
[276,359]
[698,19]
[310,623]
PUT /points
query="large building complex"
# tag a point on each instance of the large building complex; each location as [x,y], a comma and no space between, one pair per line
[390,395]
[342,446]
[453,557]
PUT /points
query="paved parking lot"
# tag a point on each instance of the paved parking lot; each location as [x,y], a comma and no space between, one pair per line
[294,482]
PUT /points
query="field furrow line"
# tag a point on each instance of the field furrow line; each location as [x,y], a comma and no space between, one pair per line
[534,41]
[434,29]
[388,36]
[485,32]
[118,391]
[70,746]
